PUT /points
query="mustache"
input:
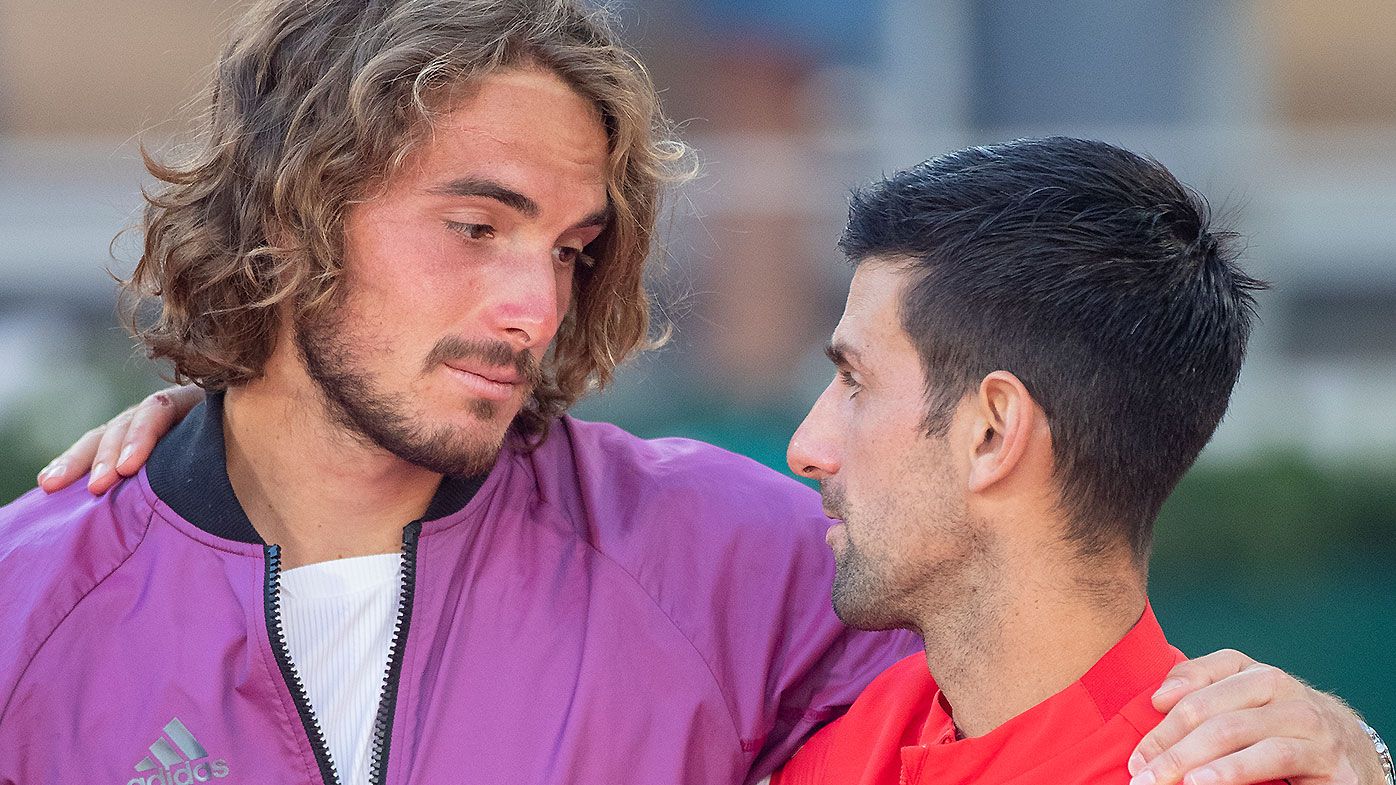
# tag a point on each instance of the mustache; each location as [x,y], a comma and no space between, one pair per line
[492,353]
[833,500]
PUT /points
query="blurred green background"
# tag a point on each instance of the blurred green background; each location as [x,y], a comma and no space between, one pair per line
[1279,543]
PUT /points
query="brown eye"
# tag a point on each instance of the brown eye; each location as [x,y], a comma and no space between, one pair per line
[472,231]
[567,256]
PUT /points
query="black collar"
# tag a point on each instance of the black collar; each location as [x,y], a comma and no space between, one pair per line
[189,472]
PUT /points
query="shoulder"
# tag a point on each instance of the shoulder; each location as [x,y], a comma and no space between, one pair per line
[55,550]
[863,745]
[733,553]
[663,471]
[695,525]
[67,527]
[675,479]
[54,534]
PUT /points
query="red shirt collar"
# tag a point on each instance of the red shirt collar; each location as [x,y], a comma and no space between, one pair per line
[1137,664]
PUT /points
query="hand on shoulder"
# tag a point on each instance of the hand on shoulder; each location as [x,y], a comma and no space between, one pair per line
[120,447]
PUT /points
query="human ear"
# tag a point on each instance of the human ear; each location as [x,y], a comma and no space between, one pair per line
[1005,416]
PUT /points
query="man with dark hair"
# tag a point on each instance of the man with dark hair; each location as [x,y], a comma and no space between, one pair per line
[414,234]
[1039,338]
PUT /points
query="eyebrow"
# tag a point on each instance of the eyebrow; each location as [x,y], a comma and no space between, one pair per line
[492,189]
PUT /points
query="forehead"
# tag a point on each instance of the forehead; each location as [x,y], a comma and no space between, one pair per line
[524,123]
[871,317]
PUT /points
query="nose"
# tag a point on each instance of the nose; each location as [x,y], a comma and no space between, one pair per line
[529,303]
[814,450]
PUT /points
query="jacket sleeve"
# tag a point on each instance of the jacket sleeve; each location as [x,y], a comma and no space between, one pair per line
[54,550]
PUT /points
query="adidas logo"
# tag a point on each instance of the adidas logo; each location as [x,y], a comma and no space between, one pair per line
[184,762]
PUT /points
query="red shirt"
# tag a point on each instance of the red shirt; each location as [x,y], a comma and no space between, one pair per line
[900,732]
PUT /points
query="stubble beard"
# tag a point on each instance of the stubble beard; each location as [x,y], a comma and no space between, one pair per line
[861,597]
[951,590]
[356,404]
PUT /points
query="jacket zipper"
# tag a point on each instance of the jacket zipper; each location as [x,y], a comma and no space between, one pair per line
[387,706]
[277,636]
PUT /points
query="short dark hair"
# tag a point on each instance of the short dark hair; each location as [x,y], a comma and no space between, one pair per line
[1094,276]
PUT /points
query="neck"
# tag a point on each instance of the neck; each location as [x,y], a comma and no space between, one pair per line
[1025,642]
[310,487]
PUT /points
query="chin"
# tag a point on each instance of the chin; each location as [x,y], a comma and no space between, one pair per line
[860,596]
[470,412]
[459,438]
[861,616]
[451,450]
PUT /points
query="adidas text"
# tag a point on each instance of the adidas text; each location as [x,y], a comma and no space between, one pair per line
[186,773]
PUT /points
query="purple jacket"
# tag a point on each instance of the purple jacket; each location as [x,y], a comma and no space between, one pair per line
[601,610]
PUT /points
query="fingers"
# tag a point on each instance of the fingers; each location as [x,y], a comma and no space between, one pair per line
[181,399]
[1258,724]
[1253,686]
[109,448]
[73,463]
[1278,759]
[1187,677]
[1284,739]
[1272,759]
[153,418]
[121,447]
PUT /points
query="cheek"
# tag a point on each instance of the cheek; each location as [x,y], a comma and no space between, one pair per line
[427,289]
[376,339]
[866,426]
[394,259]
[391,323]
[880,451]
[868,475]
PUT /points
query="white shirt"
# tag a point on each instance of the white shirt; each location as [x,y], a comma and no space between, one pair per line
[338,619]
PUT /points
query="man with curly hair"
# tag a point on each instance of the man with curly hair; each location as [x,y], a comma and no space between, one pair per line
[415,231]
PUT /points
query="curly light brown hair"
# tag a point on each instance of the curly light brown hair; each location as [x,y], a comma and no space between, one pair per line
[313,103]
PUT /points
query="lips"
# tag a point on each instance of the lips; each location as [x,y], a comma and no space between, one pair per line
[495,374]
[835,535]
[489,382]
